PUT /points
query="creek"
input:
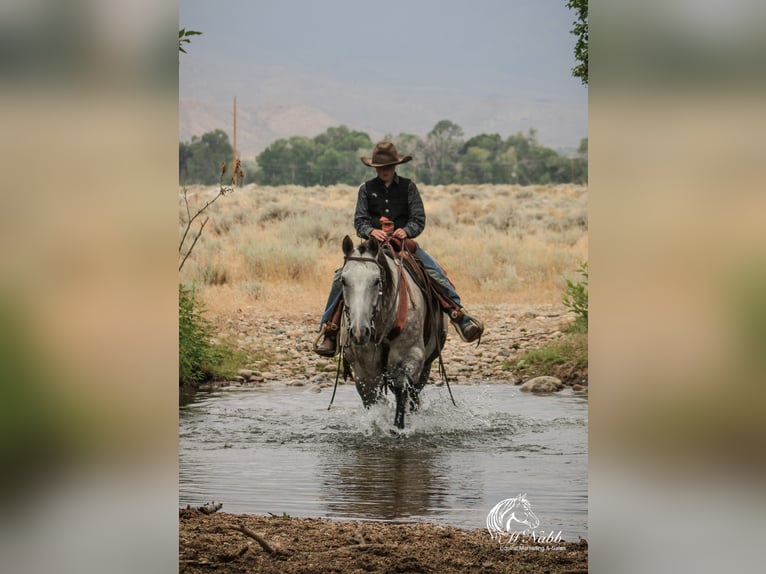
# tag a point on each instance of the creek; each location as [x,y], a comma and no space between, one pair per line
[277,449]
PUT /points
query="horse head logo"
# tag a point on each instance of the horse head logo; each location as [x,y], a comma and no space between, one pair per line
[511,510]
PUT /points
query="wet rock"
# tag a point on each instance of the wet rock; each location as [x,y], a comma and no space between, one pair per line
[577,387]
[542,384]
[246,373]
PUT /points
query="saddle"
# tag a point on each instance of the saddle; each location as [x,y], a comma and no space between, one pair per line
[433,318]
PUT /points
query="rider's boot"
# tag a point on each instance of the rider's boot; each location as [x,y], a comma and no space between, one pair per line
[329,335]
[329,344]
[469,328]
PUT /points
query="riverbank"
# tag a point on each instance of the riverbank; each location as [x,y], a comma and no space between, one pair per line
[278,348]
[224,542]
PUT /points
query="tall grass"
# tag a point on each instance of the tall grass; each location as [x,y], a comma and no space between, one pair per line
[275,248]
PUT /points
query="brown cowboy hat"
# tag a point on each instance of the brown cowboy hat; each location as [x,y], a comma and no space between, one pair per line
[384,155]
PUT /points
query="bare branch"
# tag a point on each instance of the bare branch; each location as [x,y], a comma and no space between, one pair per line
[255,536]
[222,190]
[193,243]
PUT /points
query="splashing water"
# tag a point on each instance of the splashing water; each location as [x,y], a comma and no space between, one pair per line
[278,449]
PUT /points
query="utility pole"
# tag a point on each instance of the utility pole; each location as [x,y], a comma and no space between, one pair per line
[234,162]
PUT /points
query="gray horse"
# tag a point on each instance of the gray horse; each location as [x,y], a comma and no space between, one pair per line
[384,349]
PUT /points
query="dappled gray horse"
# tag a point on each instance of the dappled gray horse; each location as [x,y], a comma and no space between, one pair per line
[385,315]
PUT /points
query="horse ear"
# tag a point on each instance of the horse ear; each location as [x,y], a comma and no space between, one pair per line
[348,246]
[373,245]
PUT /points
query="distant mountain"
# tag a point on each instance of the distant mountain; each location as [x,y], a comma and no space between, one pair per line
[273,103]
[257,125]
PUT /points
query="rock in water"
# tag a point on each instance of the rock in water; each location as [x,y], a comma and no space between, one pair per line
[210,507]
[542,384]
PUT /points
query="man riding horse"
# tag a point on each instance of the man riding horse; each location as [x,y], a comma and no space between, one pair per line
[384,202]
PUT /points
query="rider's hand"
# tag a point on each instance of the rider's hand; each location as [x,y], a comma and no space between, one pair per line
[379,234]
[400,233]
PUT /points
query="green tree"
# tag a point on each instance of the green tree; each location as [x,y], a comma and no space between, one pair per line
[200,160]
[329,166]
[486,169]
[440,158]
[407,144]
[274,164]
[580,163]
[580,30]
[331,157]
[183,38]
[504,167]
[476,166]
[525,169]
[442,152]
[343,139]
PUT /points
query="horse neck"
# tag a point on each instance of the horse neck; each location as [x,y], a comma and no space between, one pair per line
[390,292]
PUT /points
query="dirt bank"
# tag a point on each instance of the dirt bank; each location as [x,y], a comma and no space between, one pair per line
[228,543]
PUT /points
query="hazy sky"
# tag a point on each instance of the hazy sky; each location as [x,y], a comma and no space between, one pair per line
[478,47]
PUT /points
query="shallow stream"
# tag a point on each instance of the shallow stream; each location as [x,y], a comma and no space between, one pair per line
[277,449]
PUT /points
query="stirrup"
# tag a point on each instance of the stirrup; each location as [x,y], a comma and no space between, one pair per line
[475,322]
[322,336]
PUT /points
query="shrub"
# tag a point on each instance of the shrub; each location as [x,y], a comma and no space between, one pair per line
[576,298]
[565,358]
[285,260]
[198,358]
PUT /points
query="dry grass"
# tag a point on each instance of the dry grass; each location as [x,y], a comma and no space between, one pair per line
[275,248]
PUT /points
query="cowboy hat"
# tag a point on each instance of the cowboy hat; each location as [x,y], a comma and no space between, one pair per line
[384,155]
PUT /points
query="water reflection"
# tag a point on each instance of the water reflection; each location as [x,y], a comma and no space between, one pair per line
[388,481]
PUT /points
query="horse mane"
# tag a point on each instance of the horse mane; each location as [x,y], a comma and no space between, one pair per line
[388,276]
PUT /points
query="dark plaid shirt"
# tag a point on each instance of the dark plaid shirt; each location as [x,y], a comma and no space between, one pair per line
[400,202]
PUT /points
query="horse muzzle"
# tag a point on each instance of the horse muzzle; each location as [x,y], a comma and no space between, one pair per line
[360,334]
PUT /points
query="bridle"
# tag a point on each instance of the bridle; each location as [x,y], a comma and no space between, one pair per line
[378,301]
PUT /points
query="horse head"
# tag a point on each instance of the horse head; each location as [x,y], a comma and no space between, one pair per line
[362,280]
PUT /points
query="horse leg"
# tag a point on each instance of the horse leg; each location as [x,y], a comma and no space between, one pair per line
[399,393]
[402,393]
[414,397]
[369,392]
[413,391]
